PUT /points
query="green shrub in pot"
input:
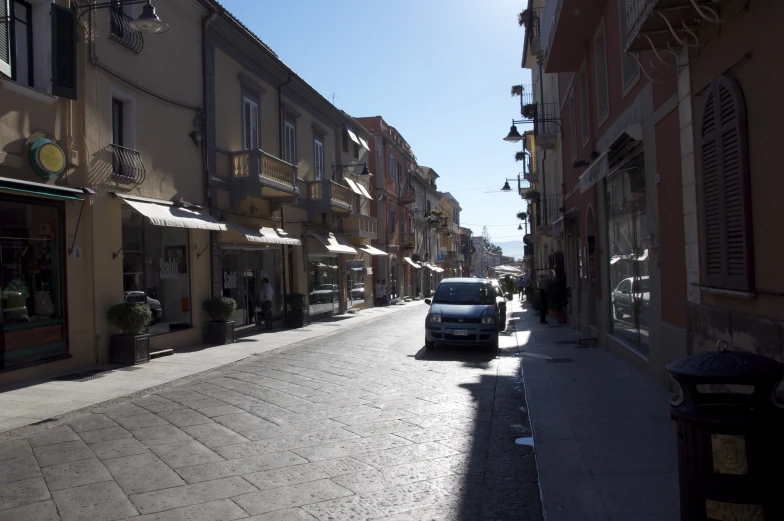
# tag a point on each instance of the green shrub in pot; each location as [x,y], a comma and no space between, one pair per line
[219,309]
[132,346]
[219,330]
[129,317]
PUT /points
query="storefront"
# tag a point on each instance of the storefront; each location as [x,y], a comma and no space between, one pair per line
[415,276]
[326,280]
[156,260]
[250,254]
[370,286]
[629,243]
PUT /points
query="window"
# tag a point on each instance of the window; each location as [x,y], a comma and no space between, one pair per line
[117,122]
[584,113]
[31,280]
[728,260]
[344,137]
[402,221]
[22,42]
[156,268]
[250,123]
[630,69]
[409,179]
[572,127]
[600,61]
[290,142]
[392,220]
[428,207]
[391,167]
[356,151]
[318,158]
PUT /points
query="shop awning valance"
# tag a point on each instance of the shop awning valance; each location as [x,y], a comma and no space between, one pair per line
[353,186]
[353,136]
[412,263]
[373,251]
[363,190]
[333,243]
[43,189]
[166,213]
[266,235]
[363,143]
[434,268]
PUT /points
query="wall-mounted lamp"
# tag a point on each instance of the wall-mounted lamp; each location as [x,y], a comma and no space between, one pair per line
[148,22]
[195,135]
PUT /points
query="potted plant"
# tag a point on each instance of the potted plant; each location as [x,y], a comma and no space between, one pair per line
[297,305]
[558,299]
[532,196]
[522,216]
[519,156]
[132,346]
[517,90]
[524,17]
[529,111]
[219,330]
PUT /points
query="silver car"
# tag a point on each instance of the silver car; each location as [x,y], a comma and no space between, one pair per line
[463,312]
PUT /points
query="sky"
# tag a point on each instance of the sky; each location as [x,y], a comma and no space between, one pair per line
[439,71]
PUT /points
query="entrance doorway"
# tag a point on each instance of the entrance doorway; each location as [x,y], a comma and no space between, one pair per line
[590,245]
[243,272]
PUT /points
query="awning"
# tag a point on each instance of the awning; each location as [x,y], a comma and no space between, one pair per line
[414,264]
[165,213]
[595,172]
[266,235]
[364,190]
[373,251]
[353,186]
[364,143]
[333,243]
[353,136]
[42,189]
[434,268]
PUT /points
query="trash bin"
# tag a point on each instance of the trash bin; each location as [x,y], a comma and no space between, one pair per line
[730,436]
[296,310]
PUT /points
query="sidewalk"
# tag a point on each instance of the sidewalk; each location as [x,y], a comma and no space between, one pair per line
[38,401]
[605,445]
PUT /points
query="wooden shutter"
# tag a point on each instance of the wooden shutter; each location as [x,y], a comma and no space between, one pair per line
[250,124]
[290,142]
[5,37]
[728,260]
[318,156]
[64,52]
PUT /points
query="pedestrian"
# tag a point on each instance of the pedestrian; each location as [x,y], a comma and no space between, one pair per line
[520,287]
[542,306]
[266,303]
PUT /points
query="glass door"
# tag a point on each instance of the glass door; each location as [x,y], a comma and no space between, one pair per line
[235,285]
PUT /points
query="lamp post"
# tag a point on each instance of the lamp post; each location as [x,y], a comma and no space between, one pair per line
[364,172]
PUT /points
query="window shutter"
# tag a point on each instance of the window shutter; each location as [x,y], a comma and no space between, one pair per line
[318,156]
[290,142]
[250,118]
[64,52]
[726,189]
[5,37]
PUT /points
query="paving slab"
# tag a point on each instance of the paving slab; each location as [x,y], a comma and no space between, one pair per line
[188,495]
[97,502]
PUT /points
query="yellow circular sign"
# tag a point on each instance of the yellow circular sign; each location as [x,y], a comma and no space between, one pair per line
[51,157]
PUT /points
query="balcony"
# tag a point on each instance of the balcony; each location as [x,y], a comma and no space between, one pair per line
[127,165]
[532,20]
[407,195]
[121,32]
[564,27]
[362,226]
[531,177]
[255,173]
[455,256]
[407,241]
[647,17]
[525,187]
[547,125]
[329,196]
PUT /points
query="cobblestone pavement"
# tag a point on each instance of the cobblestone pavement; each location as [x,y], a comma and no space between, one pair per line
[360,424]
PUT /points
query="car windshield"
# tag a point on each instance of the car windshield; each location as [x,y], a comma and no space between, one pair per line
[464,293]
[325,287]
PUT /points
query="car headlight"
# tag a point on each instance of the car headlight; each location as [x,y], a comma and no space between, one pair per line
[488,320]
[433,318]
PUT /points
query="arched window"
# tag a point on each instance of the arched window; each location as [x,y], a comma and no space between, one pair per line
[728,248]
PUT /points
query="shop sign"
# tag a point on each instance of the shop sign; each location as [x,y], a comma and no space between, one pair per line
[169,269]
[597,170]
[47,158]
[369,270]
[355,264]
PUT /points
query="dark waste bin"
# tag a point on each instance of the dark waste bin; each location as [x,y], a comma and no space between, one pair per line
[296,310]
[730,436]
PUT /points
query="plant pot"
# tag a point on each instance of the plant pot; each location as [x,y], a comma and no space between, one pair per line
[219,333]
[296,318]
[129,349]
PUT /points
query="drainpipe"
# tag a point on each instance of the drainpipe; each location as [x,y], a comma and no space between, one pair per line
[201,115]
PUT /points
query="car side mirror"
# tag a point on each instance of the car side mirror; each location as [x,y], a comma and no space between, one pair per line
[428,301]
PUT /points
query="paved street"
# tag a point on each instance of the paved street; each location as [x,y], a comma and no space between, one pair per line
[360,424]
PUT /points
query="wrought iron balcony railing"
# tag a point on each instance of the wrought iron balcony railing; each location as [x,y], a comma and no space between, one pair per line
[127,165]
[547,120]
[120,31]
[407,195]
[407,240]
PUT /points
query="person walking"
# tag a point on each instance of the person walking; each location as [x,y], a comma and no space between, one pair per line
[266,303]
[520,287]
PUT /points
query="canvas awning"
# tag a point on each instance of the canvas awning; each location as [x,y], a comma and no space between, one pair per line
[353,136]
[412,263]
[363,190]
[363,143]
[333,243]
[373,251]
[266,235]
[42,189]
[353,186]
[434,268]
[166,213]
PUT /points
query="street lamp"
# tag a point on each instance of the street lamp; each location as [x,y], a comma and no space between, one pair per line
[148,22]
[364,172]
[514,136]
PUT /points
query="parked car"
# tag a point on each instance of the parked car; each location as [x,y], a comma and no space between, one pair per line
[629,293]
[154,305]
[463,312]
[358,292]
[324,293]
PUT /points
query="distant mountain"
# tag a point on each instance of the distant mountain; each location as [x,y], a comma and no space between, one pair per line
[512,248]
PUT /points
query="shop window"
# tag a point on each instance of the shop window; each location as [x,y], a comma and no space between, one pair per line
[629,258]
[156,270]
[243,273]
[323,288]
[728,260]
[31,282]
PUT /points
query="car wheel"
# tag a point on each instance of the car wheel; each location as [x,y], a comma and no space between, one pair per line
[429,345]
[494,346]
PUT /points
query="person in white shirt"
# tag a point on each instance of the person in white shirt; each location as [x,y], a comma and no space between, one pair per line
[266,302]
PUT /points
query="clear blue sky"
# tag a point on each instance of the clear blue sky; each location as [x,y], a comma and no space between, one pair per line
[439,71]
